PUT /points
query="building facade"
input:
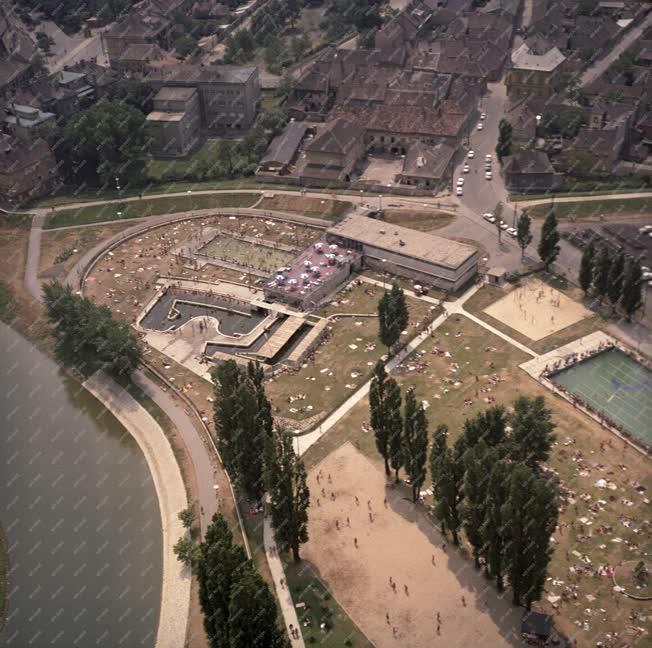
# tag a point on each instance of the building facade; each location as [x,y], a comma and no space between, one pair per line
[175,121]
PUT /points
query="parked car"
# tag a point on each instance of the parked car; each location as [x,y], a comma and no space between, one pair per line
[511,231]
[489,217]
[458,191]
[480,126]
[470,154]
[466,168]
[460,182]
[487,158]
[487,166]
[504,225]
[483,116]
[488,175]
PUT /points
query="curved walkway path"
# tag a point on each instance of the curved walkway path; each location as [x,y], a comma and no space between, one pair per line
[572,199]
[171,492]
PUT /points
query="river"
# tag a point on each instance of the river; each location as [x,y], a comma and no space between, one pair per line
[79,510]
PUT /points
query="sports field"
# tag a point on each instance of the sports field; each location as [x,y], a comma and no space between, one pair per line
[617,385]
[246,254]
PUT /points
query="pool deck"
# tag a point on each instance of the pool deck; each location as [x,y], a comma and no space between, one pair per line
[585,346]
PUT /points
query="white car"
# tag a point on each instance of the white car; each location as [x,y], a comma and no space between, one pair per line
[466,168]
[458,191]
[470,154]
[489,217]
[504,225]
[483,116]
[460,182]
[511,231]
[480,126]
[487,158]
[488,175]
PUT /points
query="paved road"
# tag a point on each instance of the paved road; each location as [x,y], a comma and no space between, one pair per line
[595,70]
[33,256]
[203,470]
[572,199]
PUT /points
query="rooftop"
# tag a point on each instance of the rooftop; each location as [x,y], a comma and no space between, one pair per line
[524,59]
[528,162]
[338,137]
[168,93]
[404,241]
[186,74]
[423,161]
[284,146]
[165,116]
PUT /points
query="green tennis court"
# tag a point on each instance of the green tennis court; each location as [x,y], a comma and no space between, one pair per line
[616,385]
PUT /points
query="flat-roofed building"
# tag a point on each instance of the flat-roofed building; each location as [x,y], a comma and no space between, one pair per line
[283,149]
[174,122]
[429,259]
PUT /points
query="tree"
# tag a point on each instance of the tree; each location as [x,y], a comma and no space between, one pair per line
[478,463]
[249,438]
[285,479]
[377,412]
[487,426]
[632,296]
[394,424]
[367,39]
[549,244]
[226,379]
[415,442]
[184,45]
[109,140]
[543,512]
[87,336]
[187,517]
[616,279]
[523,232]
[601,268]
[252,612]
[532,431]
[446,487]
[187,552]
[504,146]
[134,92]
[530,517]
[586,267]
[493,527]
[393,316]
[219,561]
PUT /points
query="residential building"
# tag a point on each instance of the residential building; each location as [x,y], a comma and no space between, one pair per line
[331,157]
[427,167]
[27,169]
[532,73]
[137,58]
[428,259]
[18,53]
[529,172]
[22,120]
[229,95]
[175,121]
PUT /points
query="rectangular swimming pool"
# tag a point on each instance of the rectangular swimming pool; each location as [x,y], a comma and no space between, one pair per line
[616,385]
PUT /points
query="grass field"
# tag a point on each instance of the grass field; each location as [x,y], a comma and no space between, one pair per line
[603,527]
[424,221]
[315,207]
[593,208]
[158,168]
[343,362]
[320,607]
[247,254]
[147,207]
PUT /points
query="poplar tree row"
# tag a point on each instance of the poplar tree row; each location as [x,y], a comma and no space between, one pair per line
[393,316]
[486,484]
[259,456]
[618,278]
[239,609]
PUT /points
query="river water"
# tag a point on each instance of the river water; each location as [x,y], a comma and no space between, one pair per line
[79,509]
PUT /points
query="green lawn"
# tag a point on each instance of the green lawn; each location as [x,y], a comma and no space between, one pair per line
[593,208]
[147,207]
[159,168]
[319,607]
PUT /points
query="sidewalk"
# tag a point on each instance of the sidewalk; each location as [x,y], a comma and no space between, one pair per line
[282,591]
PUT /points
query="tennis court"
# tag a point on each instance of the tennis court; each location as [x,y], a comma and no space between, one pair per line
[617,385]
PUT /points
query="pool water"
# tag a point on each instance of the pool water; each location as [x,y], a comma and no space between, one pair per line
[616,385]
